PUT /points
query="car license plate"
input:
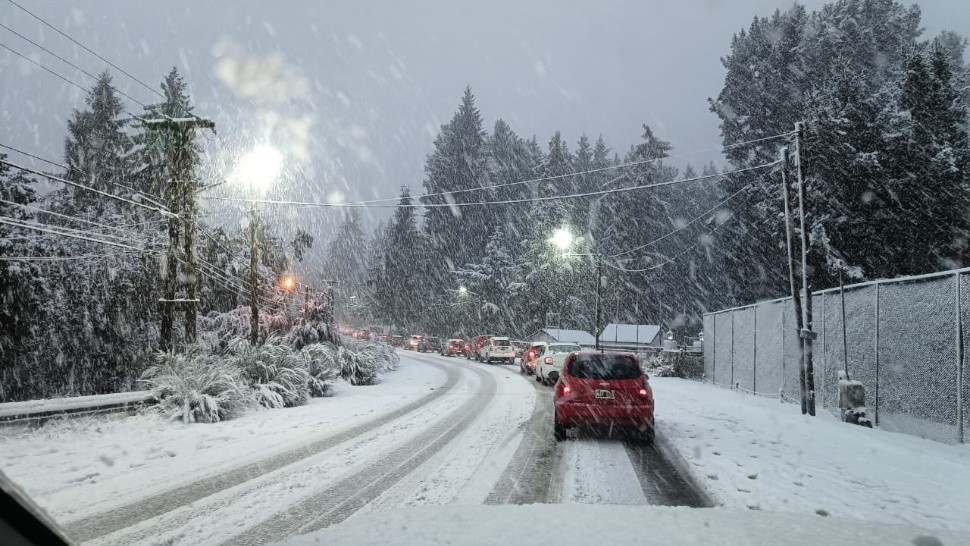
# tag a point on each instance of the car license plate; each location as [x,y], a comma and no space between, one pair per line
[604,394]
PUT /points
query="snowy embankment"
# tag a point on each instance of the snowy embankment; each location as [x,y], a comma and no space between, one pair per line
[758,454]
[84,466]
[74,404]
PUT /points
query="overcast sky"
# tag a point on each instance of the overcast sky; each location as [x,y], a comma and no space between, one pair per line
[354,91]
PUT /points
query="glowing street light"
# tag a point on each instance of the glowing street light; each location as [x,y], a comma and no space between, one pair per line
[562,238]
[258,168]
[462,290]
[288,282]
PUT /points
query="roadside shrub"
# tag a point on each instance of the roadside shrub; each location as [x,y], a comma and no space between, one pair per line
[361,361]
[195,387]
[277,374]
[322,366]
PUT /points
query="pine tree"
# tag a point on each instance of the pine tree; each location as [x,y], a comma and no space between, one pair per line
[347,254]
[97,150]
[397,290]
[21,289]
[458,162]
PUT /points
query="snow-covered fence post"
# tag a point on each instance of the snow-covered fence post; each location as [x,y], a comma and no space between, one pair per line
[876,375]
[732,348]
[959,342]
[713,346]
[754,350]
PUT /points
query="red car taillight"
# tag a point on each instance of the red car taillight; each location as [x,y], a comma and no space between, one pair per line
[643,392]
[562,389]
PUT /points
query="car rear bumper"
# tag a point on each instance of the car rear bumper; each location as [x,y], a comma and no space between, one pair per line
[572,413]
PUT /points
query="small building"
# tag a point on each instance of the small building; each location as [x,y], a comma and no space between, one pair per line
[630,337]
[553,335]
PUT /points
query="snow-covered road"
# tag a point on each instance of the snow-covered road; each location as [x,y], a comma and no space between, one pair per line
[437,431]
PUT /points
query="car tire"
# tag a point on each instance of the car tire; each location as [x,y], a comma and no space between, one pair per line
[559,431]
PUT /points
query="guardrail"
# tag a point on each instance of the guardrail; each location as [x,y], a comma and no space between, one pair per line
[39,411]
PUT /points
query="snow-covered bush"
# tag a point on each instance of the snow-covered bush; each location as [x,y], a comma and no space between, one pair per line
[196,387]
[361,362]
[384,356]
[220,330]
[323,367]
[276,372]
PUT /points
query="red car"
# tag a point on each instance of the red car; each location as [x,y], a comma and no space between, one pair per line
[604,390]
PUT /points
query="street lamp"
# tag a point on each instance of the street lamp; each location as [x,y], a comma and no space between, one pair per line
[288,282]
[563,239]
[257,169]
[463,292]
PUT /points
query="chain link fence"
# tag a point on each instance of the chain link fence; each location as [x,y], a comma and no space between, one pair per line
[904,338]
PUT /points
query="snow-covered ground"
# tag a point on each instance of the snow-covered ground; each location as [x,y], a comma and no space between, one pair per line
[83,466]
[557,525]
[759,454]
[446,431]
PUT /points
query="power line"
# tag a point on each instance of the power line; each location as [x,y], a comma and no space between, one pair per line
[88,188]
[72,65]
[86,233]
[38,158]
[69,217]
[69,234]
[503,202]
[55,29]
[63,258]
[42,67]
[48,70]
[669,261]
[580,173]
[144,194]
[683,227]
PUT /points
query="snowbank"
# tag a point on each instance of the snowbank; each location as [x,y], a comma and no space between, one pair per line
[759,454]
[54,405]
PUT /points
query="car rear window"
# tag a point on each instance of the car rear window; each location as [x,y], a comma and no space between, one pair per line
[564,348]
[604,367]
[503,343]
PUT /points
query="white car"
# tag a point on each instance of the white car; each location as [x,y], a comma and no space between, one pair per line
[552,360]
[498,348]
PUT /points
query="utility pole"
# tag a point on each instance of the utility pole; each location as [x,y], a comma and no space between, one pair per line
[180,200]
[253,276]
[807,334]
[599,284]
[795,292]
[306,302]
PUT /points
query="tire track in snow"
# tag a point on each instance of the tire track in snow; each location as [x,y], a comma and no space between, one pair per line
[663,481]
[532,476]
[341,500]
[105,523]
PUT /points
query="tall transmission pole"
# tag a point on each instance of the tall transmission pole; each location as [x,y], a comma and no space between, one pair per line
[180,199]
[806,334]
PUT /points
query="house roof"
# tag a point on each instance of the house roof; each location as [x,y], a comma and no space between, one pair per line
[629,333]
[573,336]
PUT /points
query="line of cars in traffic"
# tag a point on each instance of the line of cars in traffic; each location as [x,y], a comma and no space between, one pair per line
[484,348]
[590,388]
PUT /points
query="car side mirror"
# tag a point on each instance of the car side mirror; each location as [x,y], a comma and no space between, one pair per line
[553,376]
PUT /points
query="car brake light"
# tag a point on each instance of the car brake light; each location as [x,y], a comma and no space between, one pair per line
[548,360]
[643,391]
[562,389]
